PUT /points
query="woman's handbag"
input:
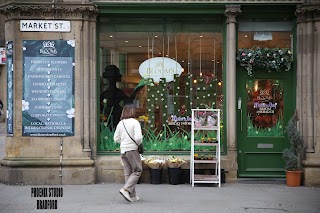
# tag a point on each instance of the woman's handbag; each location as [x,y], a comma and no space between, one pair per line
[140,146]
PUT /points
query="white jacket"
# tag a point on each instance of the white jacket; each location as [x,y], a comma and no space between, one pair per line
[122,137]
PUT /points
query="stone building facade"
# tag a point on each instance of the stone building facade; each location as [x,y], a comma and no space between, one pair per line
[76,159]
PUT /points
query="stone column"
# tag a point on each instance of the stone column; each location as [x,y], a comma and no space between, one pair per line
[86,82]
[58,160]
[231,12]
[308,78]
[93,91]
[305,71]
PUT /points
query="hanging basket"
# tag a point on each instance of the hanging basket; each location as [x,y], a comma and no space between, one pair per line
[293,178]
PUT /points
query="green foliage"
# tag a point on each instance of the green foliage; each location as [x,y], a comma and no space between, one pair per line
[166,139]
[177,140]
[293,155]
[106,139]
[274,131]
[106,133]
[290,158]
[154,140]
[265,59]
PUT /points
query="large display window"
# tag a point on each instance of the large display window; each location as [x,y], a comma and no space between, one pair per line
[194,80]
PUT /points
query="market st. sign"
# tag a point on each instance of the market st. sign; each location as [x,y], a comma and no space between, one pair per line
[45,26]
[160,67]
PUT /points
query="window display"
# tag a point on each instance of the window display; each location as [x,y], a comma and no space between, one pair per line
[167,70]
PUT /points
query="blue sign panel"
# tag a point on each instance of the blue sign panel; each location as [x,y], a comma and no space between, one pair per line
[48,88]
[9,55]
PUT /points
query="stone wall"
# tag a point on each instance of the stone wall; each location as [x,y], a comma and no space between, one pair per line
[54,160]
[308,101]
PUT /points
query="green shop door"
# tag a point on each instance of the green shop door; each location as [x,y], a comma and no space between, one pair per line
[265,104]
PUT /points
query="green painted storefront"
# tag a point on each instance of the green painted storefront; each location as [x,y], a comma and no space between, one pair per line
[258,156]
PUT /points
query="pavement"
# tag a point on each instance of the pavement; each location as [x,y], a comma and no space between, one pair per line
[241,197]
[164,198]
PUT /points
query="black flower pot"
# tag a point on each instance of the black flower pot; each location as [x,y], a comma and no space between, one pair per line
[155,176]
[174,175]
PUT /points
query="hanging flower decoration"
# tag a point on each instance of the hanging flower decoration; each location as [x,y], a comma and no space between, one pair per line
[265,59]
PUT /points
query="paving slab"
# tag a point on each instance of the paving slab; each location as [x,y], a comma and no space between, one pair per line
[166,198]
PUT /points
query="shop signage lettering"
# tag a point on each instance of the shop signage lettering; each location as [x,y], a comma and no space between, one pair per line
[44,26]
[181,120]
[265,107]
[160,67]
[48,81]
[264,95]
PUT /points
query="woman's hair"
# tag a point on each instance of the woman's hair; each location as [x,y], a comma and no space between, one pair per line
[129,111]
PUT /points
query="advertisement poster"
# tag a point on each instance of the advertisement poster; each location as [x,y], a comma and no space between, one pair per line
[9,56]
[48,88]
[265,107]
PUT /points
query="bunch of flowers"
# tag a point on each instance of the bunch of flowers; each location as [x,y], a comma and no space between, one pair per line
[200,118]
[212,118]
[173,162]
[265,59]
[203,157]
[143,118]
[208,140]
[206,118]
[154,162]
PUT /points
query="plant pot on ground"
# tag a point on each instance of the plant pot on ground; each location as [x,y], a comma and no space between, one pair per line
[174,165]
[155,164]
[293,154]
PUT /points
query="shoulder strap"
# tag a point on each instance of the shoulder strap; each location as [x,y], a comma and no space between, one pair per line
[128,133]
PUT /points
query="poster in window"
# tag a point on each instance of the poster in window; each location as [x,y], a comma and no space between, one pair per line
[265,107]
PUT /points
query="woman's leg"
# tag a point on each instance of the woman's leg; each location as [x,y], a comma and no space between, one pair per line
[127,170]
[133,158]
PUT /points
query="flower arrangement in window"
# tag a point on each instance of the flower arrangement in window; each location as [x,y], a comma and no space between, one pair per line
[265,59]
[143,118]
[205,118]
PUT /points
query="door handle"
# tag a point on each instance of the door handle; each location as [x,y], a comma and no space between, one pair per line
[241,120]
[240,108]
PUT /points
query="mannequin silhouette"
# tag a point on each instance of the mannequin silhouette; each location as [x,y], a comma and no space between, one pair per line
[114,95]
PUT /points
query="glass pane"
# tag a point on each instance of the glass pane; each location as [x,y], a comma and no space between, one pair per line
[264,107]
[163,108]
[264,39]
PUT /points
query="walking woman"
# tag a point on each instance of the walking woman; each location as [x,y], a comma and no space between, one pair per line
[128,133]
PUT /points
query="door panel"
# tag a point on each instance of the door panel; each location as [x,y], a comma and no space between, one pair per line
[263,112]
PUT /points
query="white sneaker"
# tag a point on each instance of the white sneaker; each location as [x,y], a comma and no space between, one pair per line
[126,195]
[134,199]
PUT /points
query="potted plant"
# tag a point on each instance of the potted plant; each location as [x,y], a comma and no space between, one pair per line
[174,169]
[293,154]
[155,164]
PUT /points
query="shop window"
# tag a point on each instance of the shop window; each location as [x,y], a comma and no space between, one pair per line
[163,105]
